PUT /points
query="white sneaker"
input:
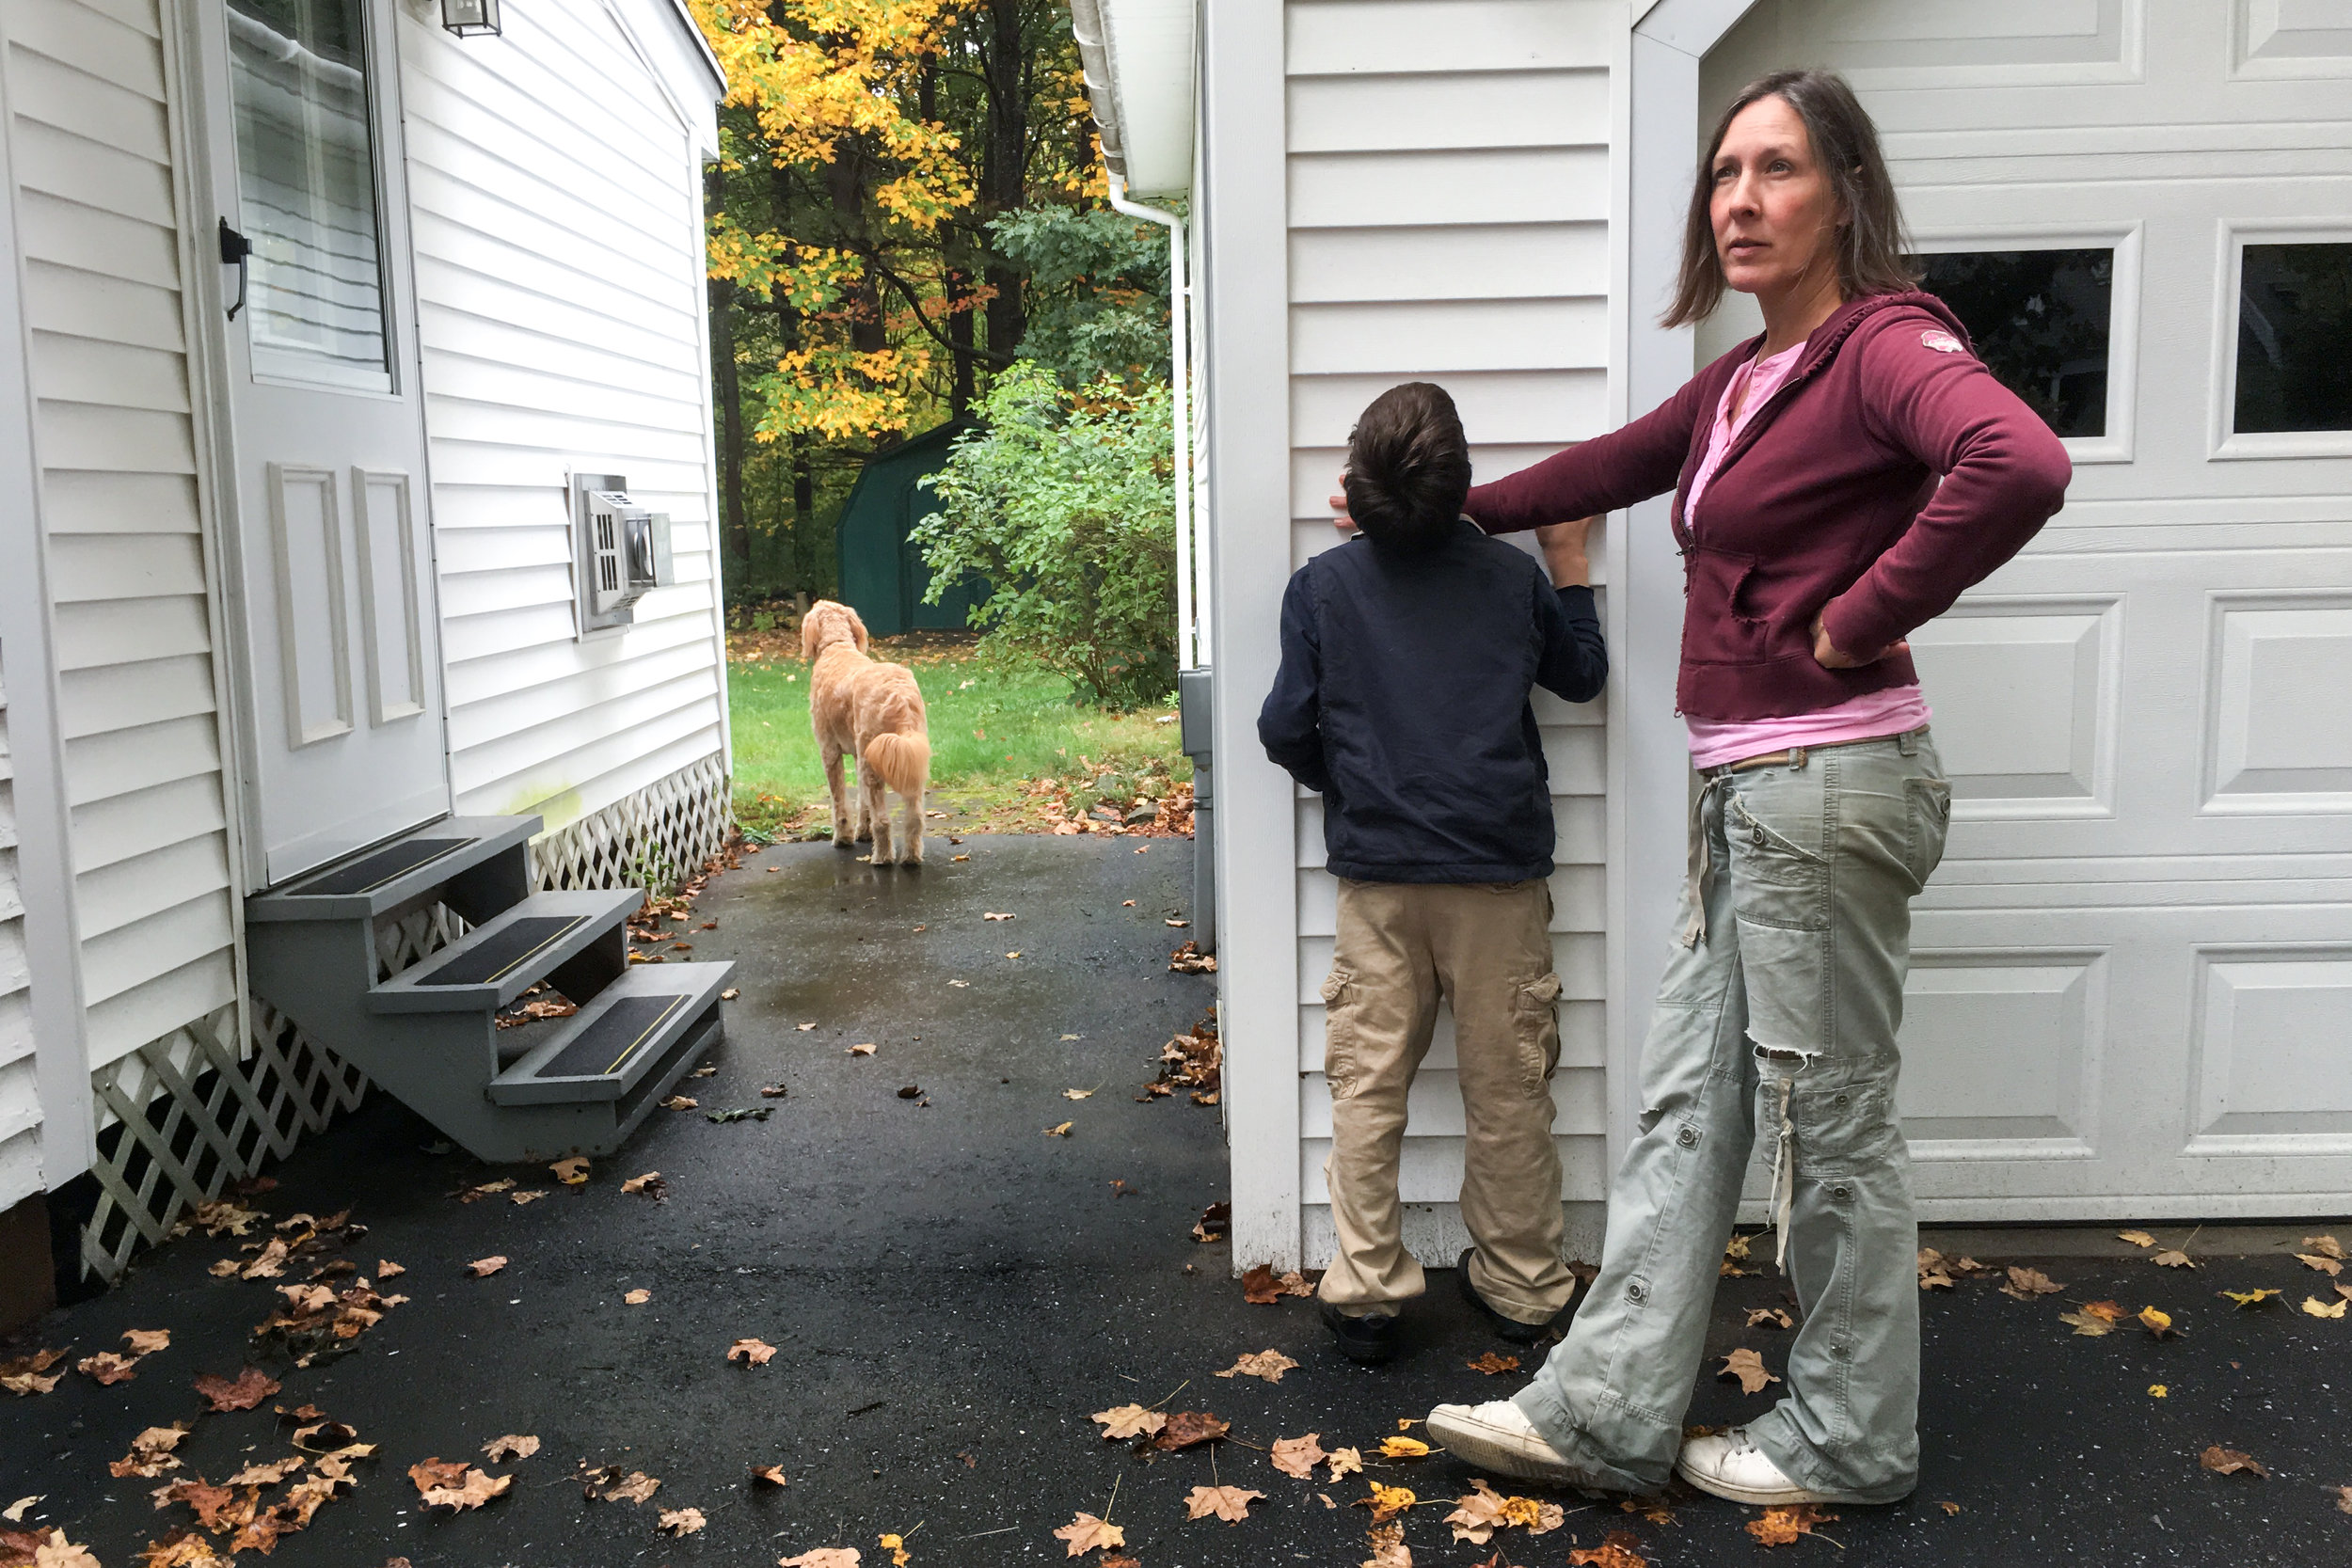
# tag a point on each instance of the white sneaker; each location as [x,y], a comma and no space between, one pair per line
[1730,1467]
[1498,1436]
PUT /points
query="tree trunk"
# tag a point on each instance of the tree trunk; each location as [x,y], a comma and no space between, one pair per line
[730,398]
[958,292]
[1005,163]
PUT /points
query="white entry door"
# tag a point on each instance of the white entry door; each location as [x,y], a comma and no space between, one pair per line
[2131,990]
[332,553]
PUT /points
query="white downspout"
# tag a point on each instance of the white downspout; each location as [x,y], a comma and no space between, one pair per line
[1180,388]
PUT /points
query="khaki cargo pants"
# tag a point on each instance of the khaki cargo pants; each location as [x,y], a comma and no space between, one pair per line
[1486,948]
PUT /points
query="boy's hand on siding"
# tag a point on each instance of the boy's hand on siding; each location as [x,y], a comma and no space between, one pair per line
[1340,519]
[1568,551]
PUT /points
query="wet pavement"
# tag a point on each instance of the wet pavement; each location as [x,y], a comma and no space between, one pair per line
[950,1291]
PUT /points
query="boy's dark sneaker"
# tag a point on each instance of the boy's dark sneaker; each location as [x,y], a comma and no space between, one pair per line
[1512,1329]
[1371,1339]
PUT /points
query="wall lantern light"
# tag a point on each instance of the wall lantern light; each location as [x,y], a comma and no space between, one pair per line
[467,18]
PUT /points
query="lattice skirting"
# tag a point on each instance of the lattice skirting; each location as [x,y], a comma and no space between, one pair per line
[185,1116]
[656,838]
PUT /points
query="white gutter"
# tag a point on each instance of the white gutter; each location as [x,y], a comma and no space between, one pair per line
[1086,24]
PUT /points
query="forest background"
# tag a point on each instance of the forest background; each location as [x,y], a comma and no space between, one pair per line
[910,199]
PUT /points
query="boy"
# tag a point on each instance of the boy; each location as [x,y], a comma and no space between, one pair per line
[1407,655]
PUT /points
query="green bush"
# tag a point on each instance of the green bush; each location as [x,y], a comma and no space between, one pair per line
[1065,503]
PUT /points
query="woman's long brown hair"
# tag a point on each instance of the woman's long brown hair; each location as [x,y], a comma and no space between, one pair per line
[1870,239]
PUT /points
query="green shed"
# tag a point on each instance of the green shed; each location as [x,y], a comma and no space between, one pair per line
[882,575]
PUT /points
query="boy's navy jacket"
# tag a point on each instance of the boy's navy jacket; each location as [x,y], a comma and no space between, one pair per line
[1402,698]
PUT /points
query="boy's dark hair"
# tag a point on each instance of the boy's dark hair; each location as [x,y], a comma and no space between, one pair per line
[1408,469]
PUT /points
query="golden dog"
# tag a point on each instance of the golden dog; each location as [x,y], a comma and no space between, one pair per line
[874,712]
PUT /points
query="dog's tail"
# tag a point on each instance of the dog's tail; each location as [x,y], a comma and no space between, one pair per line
[904,762]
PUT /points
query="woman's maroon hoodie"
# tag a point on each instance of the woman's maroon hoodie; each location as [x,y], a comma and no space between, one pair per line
[1829,499]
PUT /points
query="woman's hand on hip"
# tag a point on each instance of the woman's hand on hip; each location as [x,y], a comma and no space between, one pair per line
[1828,655]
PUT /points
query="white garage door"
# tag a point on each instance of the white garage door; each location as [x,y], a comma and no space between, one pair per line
[2132,988]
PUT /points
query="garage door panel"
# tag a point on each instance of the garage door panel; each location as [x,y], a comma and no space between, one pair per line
[2002,1052]
[2278,737]
[2025,693]
[2268,1065]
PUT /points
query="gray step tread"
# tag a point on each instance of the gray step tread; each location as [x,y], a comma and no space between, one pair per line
[495,962]
[618,1038]
[376,881]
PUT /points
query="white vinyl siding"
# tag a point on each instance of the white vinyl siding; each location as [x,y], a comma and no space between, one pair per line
[20,1085]
[108,364]
[557,217]
[1449,197]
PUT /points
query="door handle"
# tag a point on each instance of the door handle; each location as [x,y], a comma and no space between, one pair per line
[234,250]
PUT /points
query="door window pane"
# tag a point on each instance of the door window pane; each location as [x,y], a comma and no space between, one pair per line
[2295,338]
[306,187]
[2039,322]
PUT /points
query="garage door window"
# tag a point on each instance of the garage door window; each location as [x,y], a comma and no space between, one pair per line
[2040,323]
[2293,338]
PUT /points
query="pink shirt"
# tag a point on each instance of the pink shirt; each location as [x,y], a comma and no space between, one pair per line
[1713,743]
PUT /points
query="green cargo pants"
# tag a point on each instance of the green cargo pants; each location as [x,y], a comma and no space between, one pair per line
[1779,1009]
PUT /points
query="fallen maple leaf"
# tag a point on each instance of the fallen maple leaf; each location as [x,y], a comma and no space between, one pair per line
[607,1483]
[147,1341]
[1949,1509]
[572,1171]
[824,1557]
[1263,1287]
[1086,1533]
[1298,1456]
[1229,1503]
[2025,1284]
[1267,1364]
[1748,1367]
[1388,1547]
[57,1552]
[487,1189]
[1187,1428]
[1494,1365]
[992,915]
[1078,1094]
[2175,1259]
[1769,1317]
[1387,1502]
[756,1352]
[151,1453]
[637,1297]
[388,1270]
[1621,1549]
[865,1050]
[770,1475]
[108,1369]
[268,1474]
[1128,1420]
[1345,1462]
[639,1183]
[2089,1323]
[482,1268]
[250,1388]
[1403,1448]
[2228,1461]
[1934,1270]
[510,1447]
[21,1375]
[1060,1130]
[1780,1526]
[2344,1499]
[2321,1261]
[465,1488]
[2326,1246]
[2158,1324]
[2137,1238]
[2252,1298]
[895,1545]
[2325,1309]
[1483,1511]
[681,1521]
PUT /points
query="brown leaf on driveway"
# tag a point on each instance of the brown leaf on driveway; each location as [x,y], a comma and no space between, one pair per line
[1619,1548]
[824,1557]
[679,1102]
[1345,1462]
[1935,1271]
[2158,1324]
[250,1388]
[1189,1427]
[2255,1298]
[2319,1260]
[608,1483]
[1769,1317]
[269,1474]
[1494,1365]
[1060,1130]
[2344,1499]
[2326,1246]
[756,1352]
[1229,1503]
[2089,1324]
[510,1447]
[385,1270]
[637,1297]
[57,1552]
[1298,1456]
[487,1189]
[1780,1526]
[1128,1420]
[1214,1221]
[681,1521]
[1086,1533]
[1749,1369]
[21,1375]
[453,1484]
[2229,1462]
[650,1183]
[482,1268]
[146,1341]
[1263,1287]
[2137,1238]
[108,1369]
[1267,1364]
[2026,1284]
[770,1475]
[1389,1549]
[151,1453]
[2174,1258]
[2317,1308]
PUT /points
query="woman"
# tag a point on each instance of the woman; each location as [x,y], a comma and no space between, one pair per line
[1837,482]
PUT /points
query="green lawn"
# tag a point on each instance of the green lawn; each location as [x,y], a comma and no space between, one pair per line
[996,737]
